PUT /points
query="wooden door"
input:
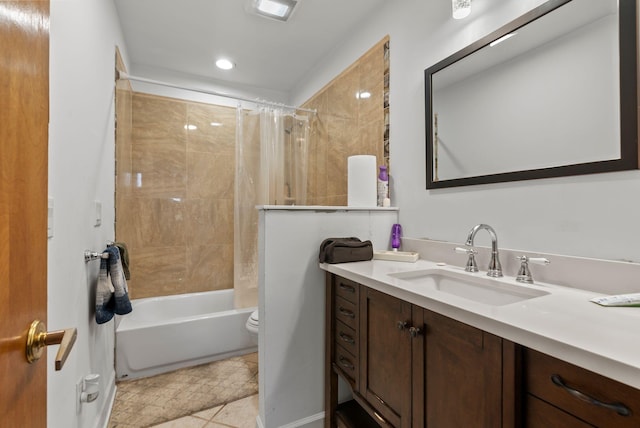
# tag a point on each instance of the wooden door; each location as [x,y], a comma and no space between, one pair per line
[385,356]
[24,117]
[461,367]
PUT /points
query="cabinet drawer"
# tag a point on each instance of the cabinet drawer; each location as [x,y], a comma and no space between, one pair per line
[540,414]
[589,396]
[347,364]
[347,312]
[347,338]
[346,289]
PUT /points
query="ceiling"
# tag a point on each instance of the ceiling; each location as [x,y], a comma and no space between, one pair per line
[187,36]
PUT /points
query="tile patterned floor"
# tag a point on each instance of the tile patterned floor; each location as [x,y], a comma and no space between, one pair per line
[208,394]
[237,414]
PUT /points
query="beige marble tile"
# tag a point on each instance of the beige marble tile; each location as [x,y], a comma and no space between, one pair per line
[371,139]
[216,128]
[155,116]
[342,94]
[240,414]
[210,175]
[152,222]
[209,221]
[371,75]
[209,267]
[157,271]
[123,140]
[159,168]
[336,200]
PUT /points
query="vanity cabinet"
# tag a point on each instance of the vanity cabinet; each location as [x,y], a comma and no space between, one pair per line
[559,394]
[412,367]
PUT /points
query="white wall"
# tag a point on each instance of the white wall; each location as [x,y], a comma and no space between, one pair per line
[592,215]
[84,34]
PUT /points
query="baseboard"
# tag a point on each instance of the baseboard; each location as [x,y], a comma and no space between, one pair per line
[312,421]
[105,412]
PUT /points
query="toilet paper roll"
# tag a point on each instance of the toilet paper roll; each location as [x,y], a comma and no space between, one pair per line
[361,181]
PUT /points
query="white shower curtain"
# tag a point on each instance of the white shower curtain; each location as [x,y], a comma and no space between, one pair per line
[271,169]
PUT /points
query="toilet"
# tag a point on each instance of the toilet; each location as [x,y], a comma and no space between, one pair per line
[252,327]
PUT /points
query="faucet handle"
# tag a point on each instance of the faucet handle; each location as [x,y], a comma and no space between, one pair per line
[539,260]
[461,250]
[471,265]
[524,274]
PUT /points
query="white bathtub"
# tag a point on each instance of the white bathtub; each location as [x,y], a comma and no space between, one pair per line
[167,333]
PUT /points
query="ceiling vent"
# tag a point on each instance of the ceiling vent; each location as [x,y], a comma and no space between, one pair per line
[280,10]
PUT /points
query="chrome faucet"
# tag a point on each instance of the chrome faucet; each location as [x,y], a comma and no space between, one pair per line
[495,269]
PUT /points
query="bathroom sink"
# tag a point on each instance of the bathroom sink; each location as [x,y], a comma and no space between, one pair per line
[478,289]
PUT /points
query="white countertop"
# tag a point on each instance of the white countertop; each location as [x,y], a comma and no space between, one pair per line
[563,323]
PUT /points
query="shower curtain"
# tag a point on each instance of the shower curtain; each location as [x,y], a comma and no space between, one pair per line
[272,148]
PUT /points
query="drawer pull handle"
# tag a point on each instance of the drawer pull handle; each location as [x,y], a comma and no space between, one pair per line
[348,288]
[415,331]
[346,312]
[382,420]
[402,325]
[346,363]
[346,338]
[619,408]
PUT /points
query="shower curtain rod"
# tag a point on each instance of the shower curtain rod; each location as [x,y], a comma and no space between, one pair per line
[124,76]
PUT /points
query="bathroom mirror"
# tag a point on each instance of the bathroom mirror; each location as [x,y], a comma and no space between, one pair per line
[553,93]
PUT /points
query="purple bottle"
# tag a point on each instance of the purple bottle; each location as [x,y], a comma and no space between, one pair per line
[396,234]
[383,185]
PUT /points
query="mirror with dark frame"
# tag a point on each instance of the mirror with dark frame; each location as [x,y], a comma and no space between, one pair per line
[553,93]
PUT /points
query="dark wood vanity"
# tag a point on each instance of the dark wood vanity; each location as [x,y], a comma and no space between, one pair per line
[411,367]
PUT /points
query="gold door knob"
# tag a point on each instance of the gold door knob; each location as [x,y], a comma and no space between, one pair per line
[38,338]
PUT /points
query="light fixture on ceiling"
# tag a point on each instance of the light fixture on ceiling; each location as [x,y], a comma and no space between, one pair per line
[275,9]
[224,64]
[461,8]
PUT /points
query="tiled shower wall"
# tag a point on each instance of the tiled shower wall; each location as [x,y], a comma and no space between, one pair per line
[175,185]
[174,205]
[348,124]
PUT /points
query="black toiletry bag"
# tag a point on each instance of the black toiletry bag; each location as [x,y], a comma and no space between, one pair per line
[342,250]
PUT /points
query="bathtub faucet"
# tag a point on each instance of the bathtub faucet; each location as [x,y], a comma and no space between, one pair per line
[495,269]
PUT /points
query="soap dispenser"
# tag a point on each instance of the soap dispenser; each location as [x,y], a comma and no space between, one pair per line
[396,235]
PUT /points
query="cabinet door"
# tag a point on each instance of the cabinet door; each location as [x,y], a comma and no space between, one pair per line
[462,375]
[385,357]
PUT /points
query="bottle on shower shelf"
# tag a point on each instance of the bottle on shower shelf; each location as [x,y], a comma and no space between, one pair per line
[383,187]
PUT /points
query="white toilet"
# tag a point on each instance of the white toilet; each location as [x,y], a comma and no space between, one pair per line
[252,326]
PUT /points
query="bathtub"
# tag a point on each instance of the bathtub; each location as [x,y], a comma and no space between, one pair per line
[167,333]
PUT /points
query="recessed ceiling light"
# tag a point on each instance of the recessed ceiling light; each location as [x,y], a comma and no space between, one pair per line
[216,124]
[224,64]
[276,9]
[363,95]
[461,8]
[190,127]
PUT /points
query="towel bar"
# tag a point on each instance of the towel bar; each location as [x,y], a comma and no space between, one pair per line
[94,255]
